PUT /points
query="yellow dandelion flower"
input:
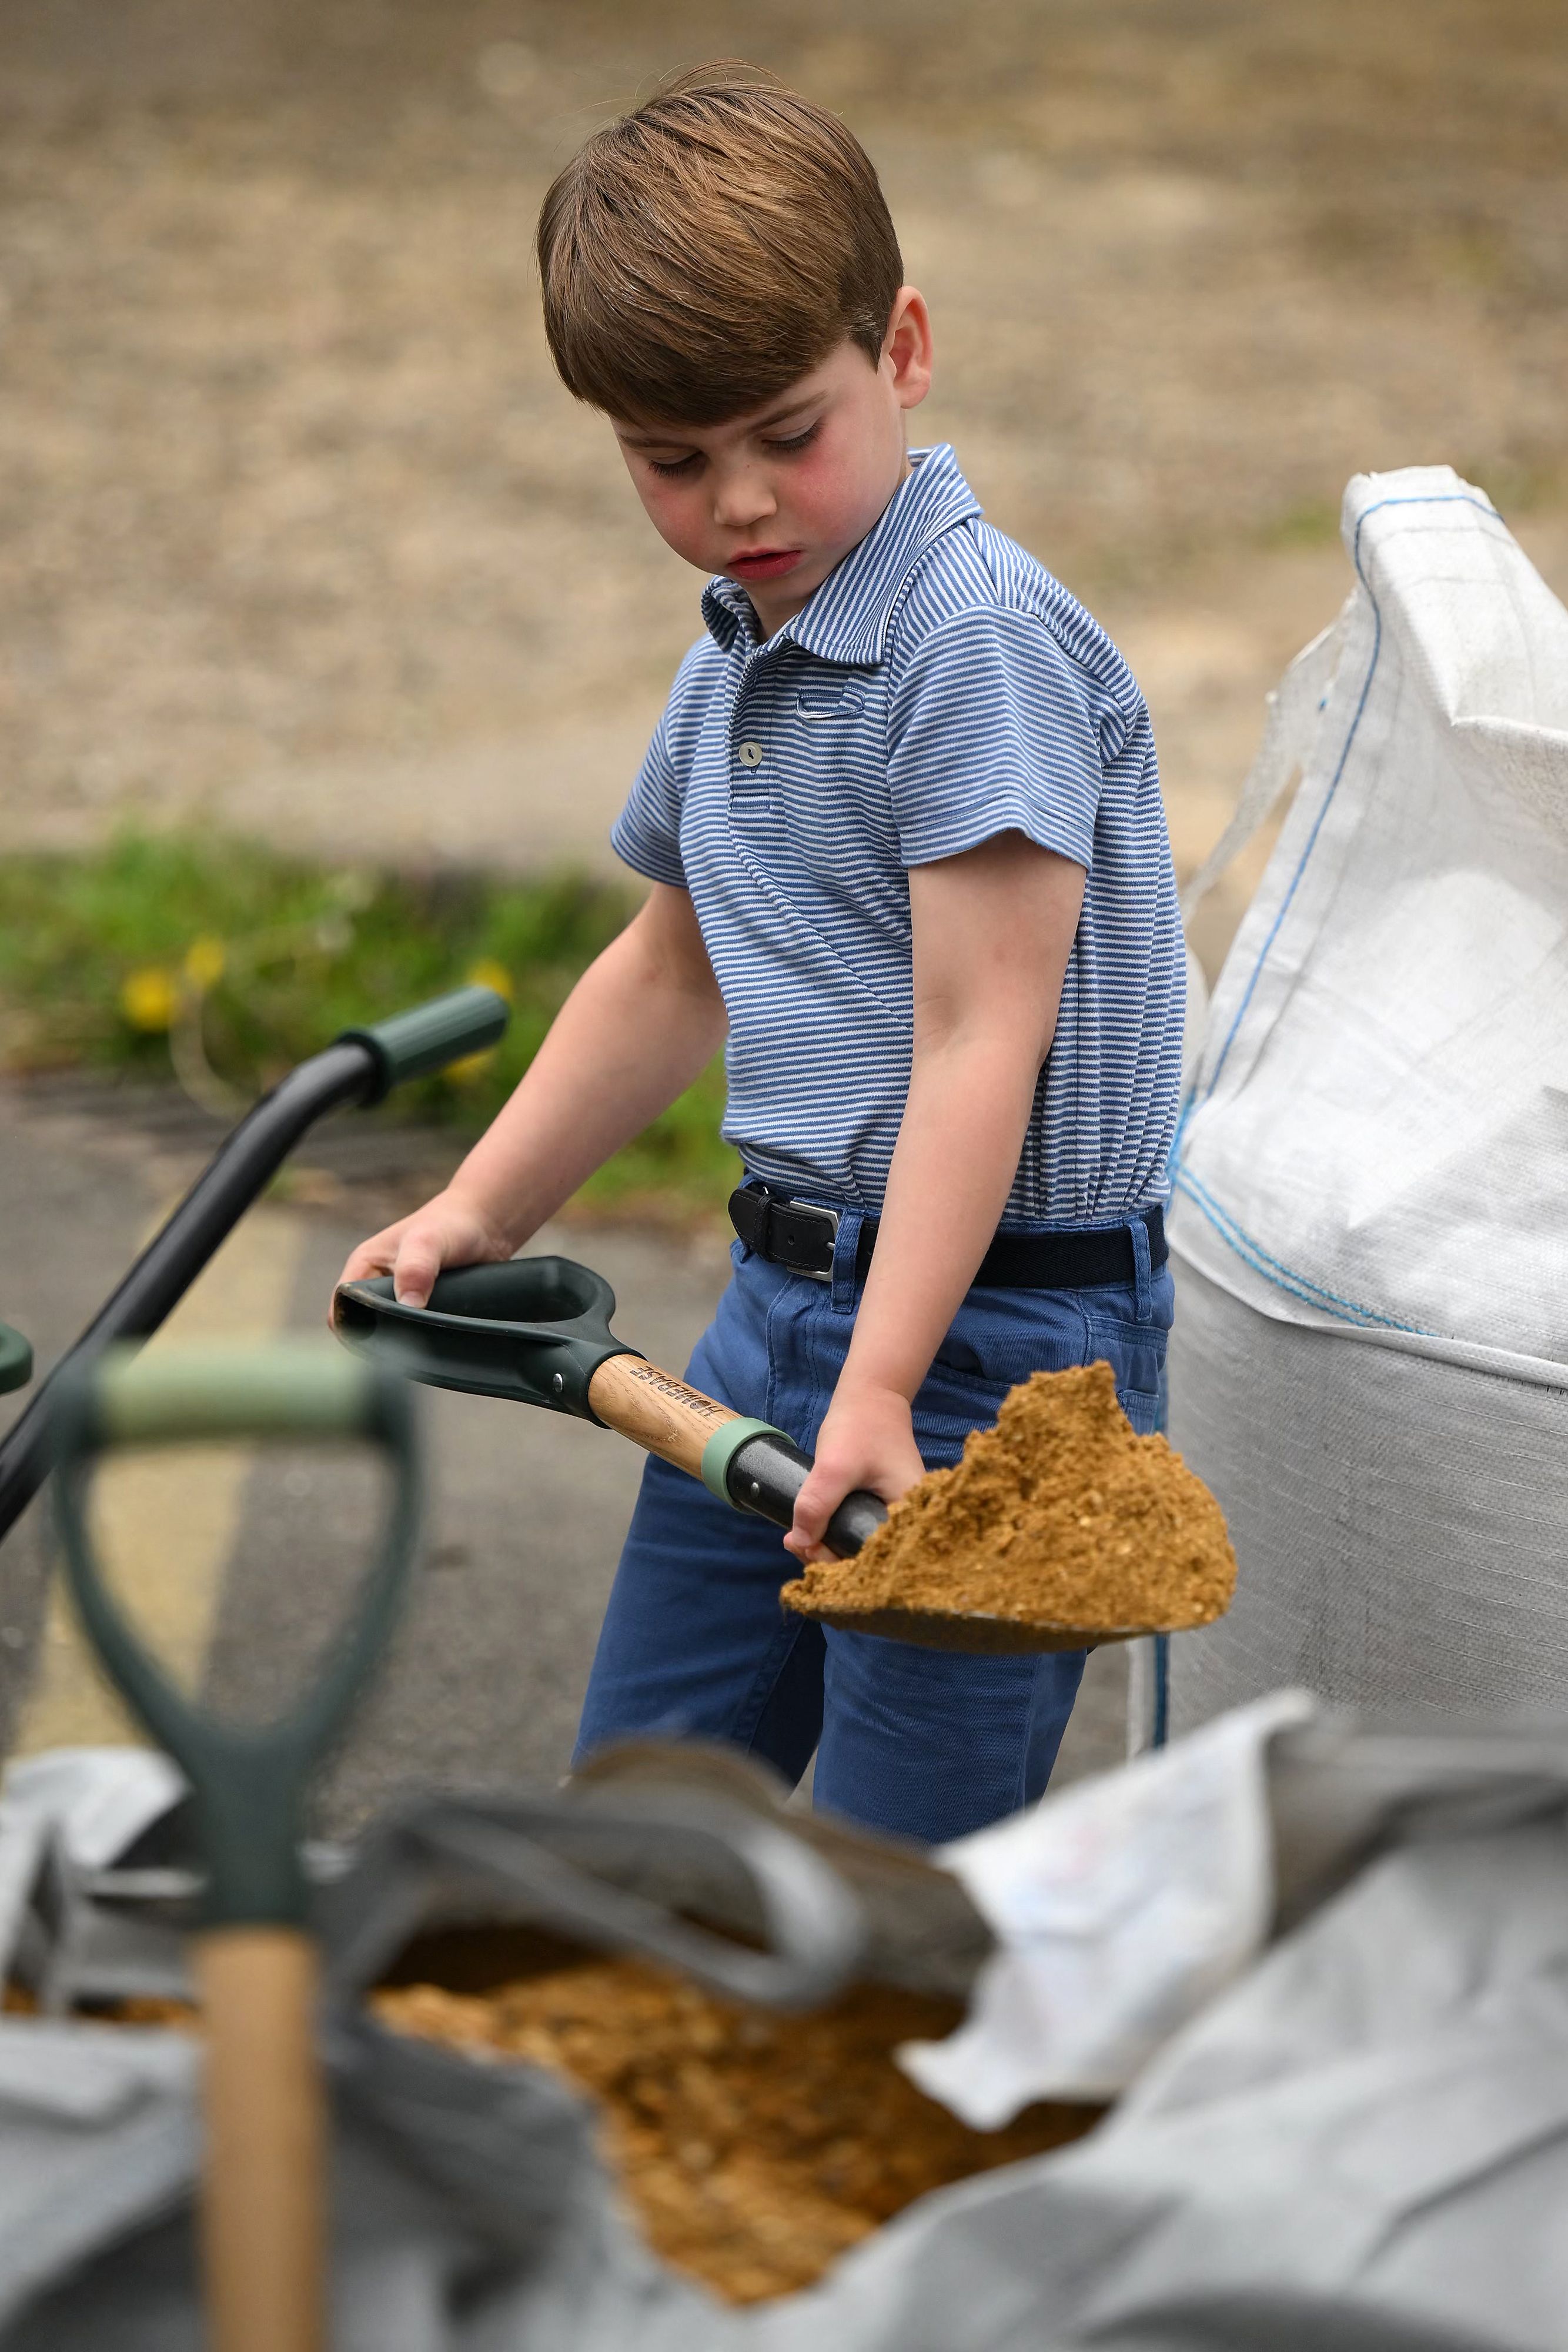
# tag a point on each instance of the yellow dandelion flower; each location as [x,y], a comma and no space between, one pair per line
[149,997]
[472,1065]
[489,973]
[204,961]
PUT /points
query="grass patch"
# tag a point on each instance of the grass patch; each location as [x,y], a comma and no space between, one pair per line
[223,963]
[1518,484]
[1310,523]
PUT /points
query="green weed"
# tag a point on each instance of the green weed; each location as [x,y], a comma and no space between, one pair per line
[228,964]
[1310,523]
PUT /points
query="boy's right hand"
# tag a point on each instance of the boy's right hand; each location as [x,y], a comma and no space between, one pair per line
[445,1231]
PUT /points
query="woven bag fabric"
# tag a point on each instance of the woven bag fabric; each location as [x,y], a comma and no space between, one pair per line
[1369,1223]
[1399,1520]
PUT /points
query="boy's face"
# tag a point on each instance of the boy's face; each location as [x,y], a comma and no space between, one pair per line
[776,497]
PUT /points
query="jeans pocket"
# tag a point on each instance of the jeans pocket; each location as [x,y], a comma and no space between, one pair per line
[1135,1352]
[999,1337]
[1142,1407]
[949,1407]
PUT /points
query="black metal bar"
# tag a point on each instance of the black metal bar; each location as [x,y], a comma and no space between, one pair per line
[243,1165]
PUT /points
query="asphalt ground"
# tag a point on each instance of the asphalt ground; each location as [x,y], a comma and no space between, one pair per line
[239,1564]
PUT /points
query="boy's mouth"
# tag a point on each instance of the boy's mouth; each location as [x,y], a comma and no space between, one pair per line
[764,562]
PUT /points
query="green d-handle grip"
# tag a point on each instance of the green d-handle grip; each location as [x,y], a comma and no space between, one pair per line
[264,2167]
[15,1360]
[248,1782]
[413,1045]
[533,1330]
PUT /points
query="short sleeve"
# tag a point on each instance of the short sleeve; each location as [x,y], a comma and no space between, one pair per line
[993,728]
[646,835]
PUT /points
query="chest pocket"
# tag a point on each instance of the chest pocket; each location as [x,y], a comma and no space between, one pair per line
[821,706]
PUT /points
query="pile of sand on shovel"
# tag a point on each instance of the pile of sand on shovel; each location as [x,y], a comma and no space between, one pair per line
[1060,1516]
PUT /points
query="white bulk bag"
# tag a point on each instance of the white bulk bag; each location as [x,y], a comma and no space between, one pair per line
[1370,1222]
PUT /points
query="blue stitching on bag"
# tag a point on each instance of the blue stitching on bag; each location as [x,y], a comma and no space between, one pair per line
[1285,1277]
[1436,499]
[1172,1158]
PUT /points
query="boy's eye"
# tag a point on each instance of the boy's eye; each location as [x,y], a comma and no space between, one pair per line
[673,468]
[797,440]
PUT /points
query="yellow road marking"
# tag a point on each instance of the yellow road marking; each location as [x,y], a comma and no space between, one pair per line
[173,1515]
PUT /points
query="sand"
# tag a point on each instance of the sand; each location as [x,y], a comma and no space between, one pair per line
[1059,1515]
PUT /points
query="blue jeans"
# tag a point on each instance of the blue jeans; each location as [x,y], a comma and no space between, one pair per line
[923,1743]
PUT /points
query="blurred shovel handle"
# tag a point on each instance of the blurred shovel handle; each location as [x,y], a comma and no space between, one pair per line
[263,2191]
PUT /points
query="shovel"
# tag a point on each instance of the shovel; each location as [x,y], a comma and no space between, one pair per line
[537,1330]
[264,2185]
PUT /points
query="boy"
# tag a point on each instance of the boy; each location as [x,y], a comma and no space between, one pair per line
[903,827]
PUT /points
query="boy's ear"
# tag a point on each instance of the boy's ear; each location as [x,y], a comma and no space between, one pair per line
[907,348]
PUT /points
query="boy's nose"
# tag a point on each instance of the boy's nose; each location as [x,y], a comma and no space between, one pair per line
[741,501]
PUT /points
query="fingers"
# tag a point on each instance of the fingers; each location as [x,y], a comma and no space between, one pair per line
[414,1250]
[867,1440]
[377,1256]
[419,1261]
[412,1253]
[815,1504]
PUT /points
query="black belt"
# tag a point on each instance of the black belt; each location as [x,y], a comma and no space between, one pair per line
[800,1235]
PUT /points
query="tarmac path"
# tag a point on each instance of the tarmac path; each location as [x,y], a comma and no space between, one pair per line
[236,1564]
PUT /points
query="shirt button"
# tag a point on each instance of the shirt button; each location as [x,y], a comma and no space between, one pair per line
[751,755]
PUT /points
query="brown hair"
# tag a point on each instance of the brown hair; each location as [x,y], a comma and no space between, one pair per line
[704,252]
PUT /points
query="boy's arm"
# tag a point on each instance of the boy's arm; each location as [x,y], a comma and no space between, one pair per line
[993,928]
[645,1018]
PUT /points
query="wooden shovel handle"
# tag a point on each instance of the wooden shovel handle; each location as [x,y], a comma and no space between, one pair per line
[657,1410]
[264,2186]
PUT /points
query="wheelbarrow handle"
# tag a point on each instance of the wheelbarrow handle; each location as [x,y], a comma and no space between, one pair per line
[430,1037]
[15,1360]
[359,1067]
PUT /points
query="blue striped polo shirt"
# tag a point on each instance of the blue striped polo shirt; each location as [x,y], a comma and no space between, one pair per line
[939,688]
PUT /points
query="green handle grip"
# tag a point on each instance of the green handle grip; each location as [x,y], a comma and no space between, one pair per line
[535,1329]
[300,1389]
[447,1029]
[15,1360]
[249,1781]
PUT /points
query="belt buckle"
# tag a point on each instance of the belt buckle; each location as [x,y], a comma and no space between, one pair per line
[812,1216]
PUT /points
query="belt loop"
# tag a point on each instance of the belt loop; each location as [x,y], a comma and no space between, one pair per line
[1138,1232]
[846,1249]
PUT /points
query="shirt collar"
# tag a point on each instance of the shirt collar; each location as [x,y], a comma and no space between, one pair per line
[845,620]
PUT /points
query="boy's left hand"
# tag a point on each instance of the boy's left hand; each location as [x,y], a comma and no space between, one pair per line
[867,1440]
